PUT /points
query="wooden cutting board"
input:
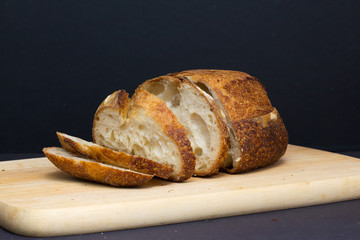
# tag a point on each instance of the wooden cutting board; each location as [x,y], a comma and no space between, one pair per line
[37,199]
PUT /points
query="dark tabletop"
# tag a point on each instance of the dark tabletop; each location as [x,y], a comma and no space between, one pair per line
[328,221]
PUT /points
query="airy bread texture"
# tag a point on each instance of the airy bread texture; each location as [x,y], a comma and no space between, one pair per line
[144,126]
[201,117]
[120,159]
[258,136]
[87,169]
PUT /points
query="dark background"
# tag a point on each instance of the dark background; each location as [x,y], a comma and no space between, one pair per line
[60,59]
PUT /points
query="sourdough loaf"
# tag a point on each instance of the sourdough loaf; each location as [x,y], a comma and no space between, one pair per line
[194,122]
[258,136]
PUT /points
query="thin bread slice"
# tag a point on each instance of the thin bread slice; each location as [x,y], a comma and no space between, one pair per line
[246,105]
[200,115]
[120,159]
[146,127]
[87,169]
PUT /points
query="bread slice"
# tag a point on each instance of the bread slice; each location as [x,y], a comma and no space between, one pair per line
[258,136]
[200,115]
[120,159]
[144,127]
[87,169]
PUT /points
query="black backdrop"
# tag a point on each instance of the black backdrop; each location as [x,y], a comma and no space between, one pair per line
[60,59]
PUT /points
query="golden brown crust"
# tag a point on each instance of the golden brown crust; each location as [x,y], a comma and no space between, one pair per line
[95,171]
[241,95]
[224,131]
[115,158]
[166,119]
[65,145]
[118,101]
[263,140]
[246,104]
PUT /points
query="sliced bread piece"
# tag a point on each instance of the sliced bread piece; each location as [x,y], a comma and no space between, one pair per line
[145,127]
[87,169]
[258,136]
[120,159]
[200,115]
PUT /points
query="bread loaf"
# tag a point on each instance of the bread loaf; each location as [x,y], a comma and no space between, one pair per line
[258,136]
[194,122]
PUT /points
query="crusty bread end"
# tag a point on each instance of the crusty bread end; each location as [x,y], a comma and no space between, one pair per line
[83,168]
[258,136]
[120,159]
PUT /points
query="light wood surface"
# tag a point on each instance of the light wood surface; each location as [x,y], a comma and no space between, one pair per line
[37,199]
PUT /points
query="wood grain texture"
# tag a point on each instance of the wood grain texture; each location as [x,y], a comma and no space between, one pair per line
[36,199]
